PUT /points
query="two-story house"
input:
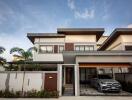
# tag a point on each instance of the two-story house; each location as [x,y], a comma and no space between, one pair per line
[77,54]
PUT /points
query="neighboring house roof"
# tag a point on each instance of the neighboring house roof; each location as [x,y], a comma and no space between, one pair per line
[82,31]
[115,34]
[101,40]
[32,36]
[17,57]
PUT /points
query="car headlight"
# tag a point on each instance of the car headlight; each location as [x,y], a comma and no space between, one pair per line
[103,84]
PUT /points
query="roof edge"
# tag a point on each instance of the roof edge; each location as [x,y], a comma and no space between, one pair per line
[113,36]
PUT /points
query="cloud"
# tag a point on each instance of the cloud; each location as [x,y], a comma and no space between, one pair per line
[22,21]
[5,12]
[86,14]
[71,4]
[129,26]
[106,7]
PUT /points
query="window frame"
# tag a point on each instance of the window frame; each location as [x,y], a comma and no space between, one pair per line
[46,51]
[89,47]
[59,51]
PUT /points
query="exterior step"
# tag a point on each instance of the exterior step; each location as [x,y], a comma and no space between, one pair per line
[68,90]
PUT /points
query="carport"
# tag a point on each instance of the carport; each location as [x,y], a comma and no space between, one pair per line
[88,71]
[101,63]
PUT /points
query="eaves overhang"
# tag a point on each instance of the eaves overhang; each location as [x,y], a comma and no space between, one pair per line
[32,36]
[82,31]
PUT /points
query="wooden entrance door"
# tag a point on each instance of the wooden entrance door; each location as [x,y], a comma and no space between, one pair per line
[69,75]
[50,82]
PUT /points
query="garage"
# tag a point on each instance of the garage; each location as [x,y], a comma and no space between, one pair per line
[94,77]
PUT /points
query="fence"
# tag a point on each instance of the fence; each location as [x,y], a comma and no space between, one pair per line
[126,77]
[26,81]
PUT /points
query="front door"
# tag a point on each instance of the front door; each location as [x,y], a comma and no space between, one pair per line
[69,75]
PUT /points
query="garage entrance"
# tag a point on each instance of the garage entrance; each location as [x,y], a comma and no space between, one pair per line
[91,74]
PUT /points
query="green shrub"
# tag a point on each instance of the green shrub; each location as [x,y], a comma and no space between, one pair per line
[63,89]
[18,94]
[9,94]
[29,94]
[1,93]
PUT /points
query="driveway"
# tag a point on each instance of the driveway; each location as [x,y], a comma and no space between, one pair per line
[89,91]
[80,98]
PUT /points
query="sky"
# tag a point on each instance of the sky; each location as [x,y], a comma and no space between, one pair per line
[19,17]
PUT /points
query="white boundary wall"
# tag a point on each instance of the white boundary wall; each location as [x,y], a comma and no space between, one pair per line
[13,80]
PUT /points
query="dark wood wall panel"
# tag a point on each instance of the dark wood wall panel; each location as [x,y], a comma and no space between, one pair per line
[69,46]
[55,48]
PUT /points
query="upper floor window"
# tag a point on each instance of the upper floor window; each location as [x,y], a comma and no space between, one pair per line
[84,47]
[128,48]
[46,49]
[61,48]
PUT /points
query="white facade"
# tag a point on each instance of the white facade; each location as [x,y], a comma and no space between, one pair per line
[14,80]
[80,38]
[48,57]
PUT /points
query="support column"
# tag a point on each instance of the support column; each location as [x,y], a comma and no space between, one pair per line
[59,85]
[77,83]
[64,76]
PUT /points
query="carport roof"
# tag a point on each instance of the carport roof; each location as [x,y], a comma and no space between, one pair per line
[104,65]
[95,53]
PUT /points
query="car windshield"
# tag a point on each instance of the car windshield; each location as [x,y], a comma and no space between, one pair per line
[104,77]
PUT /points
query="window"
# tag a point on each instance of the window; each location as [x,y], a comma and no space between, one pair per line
[87,48]
[61,48]
[77,48]
[128,48]
[46,49]
[91,48]
[84,47]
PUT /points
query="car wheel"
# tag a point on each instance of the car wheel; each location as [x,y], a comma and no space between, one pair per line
[99,89]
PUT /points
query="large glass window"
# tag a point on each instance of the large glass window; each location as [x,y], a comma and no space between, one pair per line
[84,47]
[77,48]
[46,49]
[128,48]
[61,48]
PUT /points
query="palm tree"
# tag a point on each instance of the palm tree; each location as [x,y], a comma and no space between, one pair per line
[2,49]
[2,60]
[26,55]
